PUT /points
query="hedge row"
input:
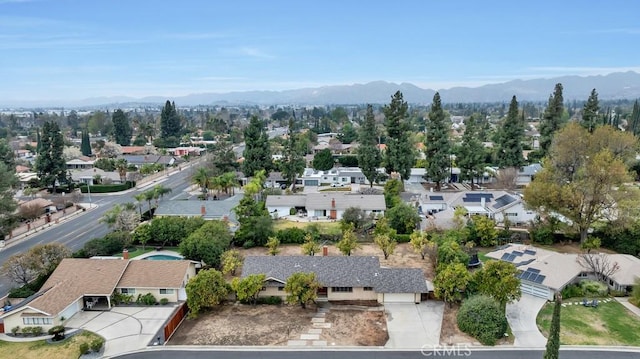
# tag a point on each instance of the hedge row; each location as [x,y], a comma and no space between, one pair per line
[107,188]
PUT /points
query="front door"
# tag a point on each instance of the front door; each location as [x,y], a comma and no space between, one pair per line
[322,292]
[333,214]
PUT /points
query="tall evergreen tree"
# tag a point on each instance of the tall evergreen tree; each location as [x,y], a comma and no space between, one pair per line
[634,121]
[552,351]
[50,162]
[437,144]
[122,130]
[590,112]
[293,162]
[552,119]
[7,156]
[369,157]
[8,205]
[471,156]
[257,154]
[510,138]
[85,145]
[399,155]
[38,141]
[170,126]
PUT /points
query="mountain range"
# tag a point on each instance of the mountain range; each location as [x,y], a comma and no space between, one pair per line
[619,85]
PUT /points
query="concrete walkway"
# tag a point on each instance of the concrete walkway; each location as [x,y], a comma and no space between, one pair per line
[521,316]
[625,301]
[412,326]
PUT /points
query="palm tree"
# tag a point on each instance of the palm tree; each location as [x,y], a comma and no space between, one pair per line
[215,183]
[140,197]
[229,180]
[202,179]
[110,217]
[159,191]
[121,167]
[148,196]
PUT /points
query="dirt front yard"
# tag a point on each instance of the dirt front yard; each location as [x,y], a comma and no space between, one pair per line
[237,324]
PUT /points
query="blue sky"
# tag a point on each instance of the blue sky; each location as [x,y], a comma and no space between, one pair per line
[72,49]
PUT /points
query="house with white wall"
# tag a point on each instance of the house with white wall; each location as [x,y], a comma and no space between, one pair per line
[324,205]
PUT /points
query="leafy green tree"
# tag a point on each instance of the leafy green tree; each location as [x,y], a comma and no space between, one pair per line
[323,160]
[121,218]
[392,190]
[552,349]
[585,178]
[170,125]
[552,119]
[369,157]
[449,251]
[257,154]
[206,290]
[437,144]
[634,120]
[471,155]
[481,317]
[170,231]
[293,163]
[510,138]
[8,204]
[231,260]
[142,235]
[348,134]
[497,279]
[590,112]
[353,217]
[122,130]
[301,288]
[256,225]
[50,163]
[223,158]
[451,282]
[485,230]
[422,244]
[349,242]
[310,247]
[403,218]
[273,245]
[248,288]
[207,243]
[85,145]
[399,155]
[7,156]
[386,244]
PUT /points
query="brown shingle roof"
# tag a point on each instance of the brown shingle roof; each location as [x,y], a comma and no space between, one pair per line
[75,277]
[154,274]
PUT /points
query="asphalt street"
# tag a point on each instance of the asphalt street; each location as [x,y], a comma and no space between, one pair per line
[460,352]
[75,232]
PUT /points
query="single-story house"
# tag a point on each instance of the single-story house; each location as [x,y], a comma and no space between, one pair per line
[139,160]
[330,205]
[208,210]
[499,205]
[80,164]
[88,284]
[88,176]
[526,174]
[544,273]
[186,151]
[344,175]
[342,278]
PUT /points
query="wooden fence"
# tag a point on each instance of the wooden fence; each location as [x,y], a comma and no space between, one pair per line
[174,322]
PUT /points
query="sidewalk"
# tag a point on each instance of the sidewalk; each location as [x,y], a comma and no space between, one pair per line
[625,301]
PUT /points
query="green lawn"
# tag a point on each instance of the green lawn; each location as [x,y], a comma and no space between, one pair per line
[324,227]
[608,324]
[41,349]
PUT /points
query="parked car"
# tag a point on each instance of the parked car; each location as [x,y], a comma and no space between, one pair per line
[337,184]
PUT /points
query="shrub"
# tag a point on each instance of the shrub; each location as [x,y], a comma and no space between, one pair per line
[96,344]
[292,211]
[57,332]
[593,288]
[248,244]
[164,301]
[482,318]
[21,292]
[147,299]
[270,300]
[403,238]
[108,188]
[36,331]
[572,291]
[15,330]
[27,330]
[84,348]
[618,293]
[291,235]
[119,298]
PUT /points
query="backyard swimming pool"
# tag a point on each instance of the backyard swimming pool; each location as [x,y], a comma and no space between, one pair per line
[162,257]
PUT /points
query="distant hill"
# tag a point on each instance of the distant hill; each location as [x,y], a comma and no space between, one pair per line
[621,85]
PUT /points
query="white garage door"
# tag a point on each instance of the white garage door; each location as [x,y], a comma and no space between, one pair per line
[399,297]
[534,289]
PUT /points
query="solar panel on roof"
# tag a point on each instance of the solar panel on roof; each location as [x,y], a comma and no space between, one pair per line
[533,270]
[472,199]
[529,252]
[503,201]
[504,256]
[539,279]
[511,257]
[525,275]
[518,253]
[436,198]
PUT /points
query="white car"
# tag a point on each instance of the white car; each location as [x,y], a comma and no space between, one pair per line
[337,184]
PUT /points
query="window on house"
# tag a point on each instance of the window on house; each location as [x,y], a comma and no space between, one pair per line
[280,289]
[37,321]
[583,275]
[166,291]
[342,289]
[367,289]
[128,290]
[511,214]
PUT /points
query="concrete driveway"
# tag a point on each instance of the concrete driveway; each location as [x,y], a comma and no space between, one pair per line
[521,316]
[412,326]
[123,328]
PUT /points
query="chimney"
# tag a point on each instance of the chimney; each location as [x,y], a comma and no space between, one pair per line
[333,203]
[203,210]
[325,251]
[125,254]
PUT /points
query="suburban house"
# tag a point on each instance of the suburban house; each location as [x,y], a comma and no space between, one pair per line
[343,175]
[329,205]
[81,163]
[186,151]
[43,204]
[499,205]
[543,273]
[88,176]
[208,210]
[342,278]
[139,160]
[527,173]
[88,284]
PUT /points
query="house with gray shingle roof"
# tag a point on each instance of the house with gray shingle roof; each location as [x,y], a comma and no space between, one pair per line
[341,277]
[209,210]
[330,205]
